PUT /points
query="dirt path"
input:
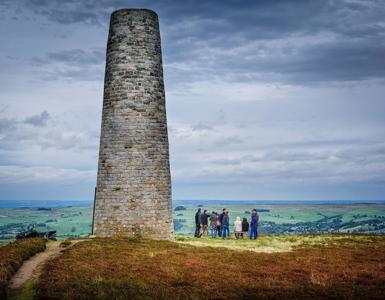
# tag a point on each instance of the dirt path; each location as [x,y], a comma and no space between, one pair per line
[31,268]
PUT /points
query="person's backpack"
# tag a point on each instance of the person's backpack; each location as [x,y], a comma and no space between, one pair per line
[245,226]
[213,219]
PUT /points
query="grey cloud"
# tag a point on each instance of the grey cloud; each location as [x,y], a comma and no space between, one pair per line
[212,37]
[333,170]
[350,45]
[68,11]
[6,4]
[201,126]
[369,153]
[69,17]
[38,120]
[19,134]
[10,124]
[21,138]
[3,108]
[73,64]
[6,124]
[226,161]
[337,60]
[320,143]
[291,156]
[55,140]
[277,155]
[77,56]
[228,141]
[74,74]
[363,31]
[345,163]
[73,57]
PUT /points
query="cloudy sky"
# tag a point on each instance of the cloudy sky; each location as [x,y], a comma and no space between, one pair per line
[265,99]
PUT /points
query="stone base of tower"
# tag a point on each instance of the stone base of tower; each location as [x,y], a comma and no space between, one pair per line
[139,231]
[110,225]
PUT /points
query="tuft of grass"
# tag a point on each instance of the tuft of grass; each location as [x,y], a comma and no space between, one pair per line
[317,267]
[65,244]
[26,292]
[12,256]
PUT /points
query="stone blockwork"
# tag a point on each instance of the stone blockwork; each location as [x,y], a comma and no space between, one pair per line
[133,195]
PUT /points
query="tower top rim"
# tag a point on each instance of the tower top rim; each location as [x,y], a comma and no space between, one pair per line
[120,10]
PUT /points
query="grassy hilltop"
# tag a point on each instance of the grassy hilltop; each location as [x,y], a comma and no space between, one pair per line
[273,267]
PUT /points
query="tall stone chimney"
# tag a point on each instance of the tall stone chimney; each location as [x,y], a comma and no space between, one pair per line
[133,193]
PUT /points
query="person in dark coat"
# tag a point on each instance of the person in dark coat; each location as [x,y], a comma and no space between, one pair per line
[254,225]
[204,223]
[220,218]
[198,223]
[226,225]
[245,228]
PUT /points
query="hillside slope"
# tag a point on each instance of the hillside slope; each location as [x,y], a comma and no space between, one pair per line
[315,267]
[12,257]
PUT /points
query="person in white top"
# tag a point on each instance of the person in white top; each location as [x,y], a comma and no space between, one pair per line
[238,228]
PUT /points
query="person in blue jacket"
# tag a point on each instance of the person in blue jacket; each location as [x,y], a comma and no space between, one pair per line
[254,225]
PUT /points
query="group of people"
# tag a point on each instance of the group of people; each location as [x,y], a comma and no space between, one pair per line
[219,225]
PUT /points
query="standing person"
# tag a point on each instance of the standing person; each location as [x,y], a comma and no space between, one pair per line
[238,228]
[226,225]
[213,224]
[245,228]
[205,223]
[254,225]
[220,222]
[198,223]
[218,226]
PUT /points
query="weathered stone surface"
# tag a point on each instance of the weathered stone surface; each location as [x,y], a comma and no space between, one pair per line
[133,196]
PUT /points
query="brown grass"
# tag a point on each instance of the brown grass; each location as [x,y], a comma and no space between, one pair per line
[346,268]
[13,255]
[65,244]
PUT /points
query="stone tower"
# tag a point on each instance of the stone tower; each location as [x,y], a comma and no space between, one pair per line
[133,193]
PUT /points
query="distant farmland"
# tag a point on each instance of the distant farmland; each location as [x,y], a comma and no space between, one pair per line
[274,219]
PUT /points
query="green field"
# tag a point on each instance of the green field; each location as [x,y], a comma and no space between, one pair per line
[274,219]
[67,221]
